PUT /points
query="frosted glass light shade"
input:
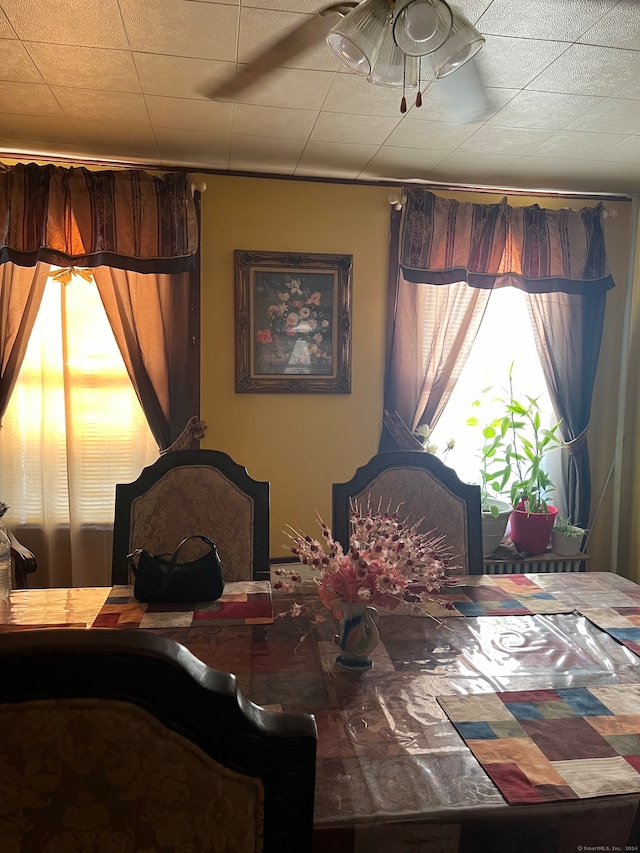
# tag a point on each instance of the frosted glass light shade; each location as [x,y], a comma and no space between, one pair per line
[421,26]
[356,39]
[389,65]
[464,42]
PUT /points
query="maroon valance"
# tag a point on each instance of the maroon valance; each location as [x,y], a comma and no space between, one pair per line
[539,250]
[125,219]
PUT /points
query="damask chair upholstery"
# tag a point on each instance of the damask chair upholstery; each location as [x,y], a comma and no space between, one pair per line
[427,489]
[189,492]
[124,741]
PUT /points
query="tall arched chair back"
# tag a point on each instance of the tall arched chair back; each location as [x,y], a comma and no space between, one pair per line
[426,488]
[189,492]
[125,740]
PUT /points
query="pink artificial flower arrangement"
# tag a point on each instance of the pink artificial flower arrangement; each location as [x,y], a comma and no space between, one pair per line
[386,556]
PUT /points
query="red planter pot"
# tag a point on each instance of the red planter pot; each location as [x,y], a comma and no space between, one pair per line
[531,532]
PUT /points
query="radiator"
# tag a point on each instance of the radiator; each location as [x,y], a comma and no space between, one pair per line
[549,563]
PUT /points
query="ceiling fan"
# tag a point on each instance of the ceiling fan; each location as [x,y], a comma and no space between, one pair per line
[388,42]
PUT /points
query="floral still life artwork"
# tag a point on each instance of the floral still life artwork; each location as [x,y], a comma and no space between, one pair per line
[388,563]
[294,323]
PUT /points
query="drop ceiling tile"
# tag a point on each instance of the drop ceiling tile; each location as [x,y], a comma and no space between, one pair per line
[613,116]
[333,158]
[505,141]
[65,22]
[631,92]
[92,105]
[189,115]
[543,109]
[473,10]
[350,93]
[252,120]
[587,70]
[289,88]
[16,64]
[357,130]
[576,175]
[618,28]
[403,164]
[108,138]
[627,151]
[513,63]
[6,30]
[37,128]
[439,135]
[464,97]
[93,67]
[179,76]
[29,99]
[194,147]
[573,143]
[260,28]
[540,20]
[177,28]
[308,6]
[255,154]
[474,169]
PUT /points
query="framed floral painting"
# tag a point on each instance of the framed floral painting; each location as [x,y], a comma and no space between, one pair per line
[293,322]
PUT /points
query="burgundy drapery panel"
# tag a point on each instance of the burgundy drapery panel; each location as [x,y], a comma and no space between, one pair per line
[113,220]
[557,256]
[148,314]
[21,290]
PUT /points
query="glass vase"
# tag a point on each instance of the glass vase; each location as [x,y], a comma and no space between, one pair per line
[358,636]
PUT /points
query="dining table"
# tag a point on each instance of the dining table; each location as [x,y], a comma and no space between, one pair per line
[402,761]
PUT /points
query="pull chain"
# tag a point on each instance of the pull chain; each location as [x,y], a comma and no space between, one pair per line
[419,95]
[403,102]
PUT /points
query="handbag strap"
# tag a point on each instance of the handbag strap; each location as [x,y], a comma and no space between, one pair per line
[174,561]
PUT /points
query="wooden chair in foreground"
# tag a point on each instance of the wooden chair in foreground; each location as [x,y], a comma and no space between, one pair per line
[123,740]
[190,492]
[426,488]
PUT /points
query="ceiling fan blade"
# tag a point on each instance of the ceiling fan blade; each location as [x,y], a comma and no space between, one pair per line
[306,35]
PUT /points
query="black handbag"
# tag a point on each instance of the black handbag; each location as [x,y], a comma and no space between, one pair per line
[162,579]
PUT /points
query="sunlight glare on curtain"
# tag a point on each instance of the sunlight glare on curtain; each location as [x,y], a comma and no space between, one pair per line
[73,429]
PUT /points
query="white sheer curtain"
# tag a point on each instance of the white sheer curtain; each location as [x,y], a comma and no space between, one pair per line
[72,430]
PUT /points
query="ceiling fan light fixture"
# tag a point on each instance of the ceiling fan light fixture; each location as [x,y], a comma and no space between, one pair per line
[356,39]
[463,43]
[420,27]
[392,67]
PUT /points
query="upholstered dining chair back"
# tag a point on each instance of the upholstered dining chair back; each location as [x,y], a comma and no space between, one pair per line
[190,492]
[426,488]
[123,740]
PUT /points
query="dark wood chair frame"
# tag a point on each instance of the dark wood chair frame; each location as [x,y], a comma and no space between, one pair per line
[199,703]
[126,493]
[470,494]
[24,562]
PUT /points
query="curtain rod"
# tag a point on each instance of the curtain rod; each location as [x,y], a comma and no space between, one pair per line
[398,202]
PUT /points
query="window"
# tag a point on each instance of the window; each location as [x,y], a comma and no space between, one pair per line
[505,336]
[73,429]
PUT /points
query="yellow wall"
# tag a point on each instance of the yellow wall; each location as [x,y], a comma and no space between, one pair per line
[302,443]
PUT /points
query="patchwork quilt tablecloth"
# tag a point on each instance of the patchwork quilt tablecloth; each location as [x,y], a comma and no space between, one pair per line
[242,603]
[622,623]
[488,595]
[563,744]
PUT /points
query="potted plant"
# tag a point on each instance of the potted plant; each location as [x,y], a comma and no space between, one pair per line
[494,476]
[526,444]
[566,538]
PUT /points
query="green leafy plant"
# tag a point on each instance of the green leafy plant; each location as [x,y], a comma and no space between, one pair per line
[527,443]
[494,472]
[514,446]
[564,526]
